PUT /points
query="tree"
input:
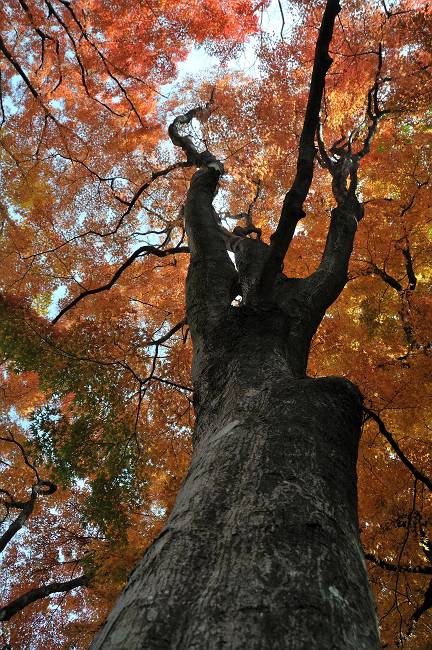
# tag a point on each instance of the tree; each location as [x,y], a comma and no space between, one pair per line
[261,548]
[272,474]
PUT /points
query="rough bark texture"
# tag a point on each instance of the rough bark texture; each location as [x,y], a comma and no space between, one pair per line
[262,547]
[261,550]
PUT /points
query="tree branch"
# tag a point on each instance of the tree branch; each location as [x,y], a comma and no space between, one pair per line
[18,68]
[343,163]
[394,445]
[18,523]
[374,113]
[139,251]
[174,384]
[185,142]
[388,279]
[426,604]
[115,79]
[26,507]
[211,273]
[168,335]
[400,568]
[131,204]
[329,279]
[412,279]
[292,210]
[33,595]
[327,282]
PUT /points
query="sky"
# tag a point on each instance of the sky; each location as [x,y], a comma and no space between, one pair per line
[199,61]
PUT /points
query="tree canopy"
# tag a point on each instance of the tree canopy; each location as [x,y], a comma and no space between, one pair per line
[95,349]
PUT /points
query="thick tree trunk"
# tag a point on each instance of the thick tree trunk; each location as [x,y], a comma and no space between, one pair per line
[262,547]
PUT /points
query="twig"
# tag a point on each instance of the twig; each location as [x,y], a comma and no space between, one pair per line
[139,251]
[398,451]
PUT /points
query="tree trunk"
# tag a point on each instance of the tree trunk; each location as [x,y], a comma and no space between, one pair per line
[262,547]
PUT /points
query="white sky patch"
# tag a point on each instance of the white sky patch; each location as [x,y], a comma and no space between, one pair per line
[199,63]
[15,417]
[157,510]
[57,295]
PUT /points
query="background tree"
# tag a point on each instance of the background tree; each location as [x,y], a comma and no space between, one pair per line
[105,420]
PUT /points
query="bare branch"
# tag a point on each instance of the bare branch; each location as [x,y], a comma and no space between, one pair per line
[400,568]
[211,272]
[329,279]
[33,595]
[18,523]
[131,204]
[426,604]
[388,279]
[18,68]
[394,445]
[343,163]
[253,202]
[412,279]
[15,442]
[374,112]
[121,87]
[142,250]
[168,335]
[26,507]
[292,210]
[185,142]
[324,159]
[283,19]
[174,384]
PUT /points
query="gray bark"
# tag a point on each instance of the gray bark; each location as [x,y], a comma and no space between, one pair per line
[262,547]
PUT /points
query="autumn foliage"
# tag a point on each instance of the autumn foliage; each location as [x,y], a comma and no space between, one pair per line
[97,402]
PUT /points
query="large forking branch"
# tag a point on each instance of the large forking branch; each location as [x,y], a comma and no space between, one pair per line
[342,162]
[211,275]
[292,209]
[185,142]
